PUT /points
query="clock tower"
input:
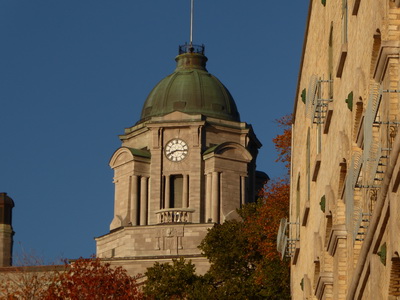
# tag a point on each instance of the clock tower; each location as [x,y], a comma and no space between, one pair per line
[188,163]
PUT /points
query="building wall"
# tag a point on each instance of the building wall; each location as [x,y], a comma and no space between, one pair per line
[344,176]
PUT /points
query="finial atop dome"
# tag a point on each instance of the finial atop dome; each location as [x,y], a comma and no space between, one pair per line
[191,57]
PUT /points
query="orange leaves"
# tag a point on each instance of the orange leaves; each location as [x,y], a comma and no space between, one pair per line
[262,226]
[283,141]
[87,279]
[92,279]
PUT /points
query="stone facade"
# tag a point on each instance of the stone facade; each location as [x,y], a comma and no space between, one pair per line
[342,236]
[187,164]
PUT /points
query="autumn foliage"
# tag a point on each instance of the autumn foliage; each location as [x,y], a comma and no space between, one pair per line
[244,260]
[262,226]
[26,282]
[91,279]
[87,279]
[283,141]
[262,223]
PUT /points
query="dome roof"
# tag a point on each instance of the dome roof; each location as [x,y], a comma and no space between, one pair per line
[192,90]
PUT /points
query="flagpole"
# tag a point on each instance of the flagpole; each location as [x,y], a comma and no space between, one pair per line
[191,22]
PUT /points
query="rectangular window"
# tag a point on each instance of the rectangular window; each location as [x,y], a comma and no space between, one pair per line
[176,191]
[344,21]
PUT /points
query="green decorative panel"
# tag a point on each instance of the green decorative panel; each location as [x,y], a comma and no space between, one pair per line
[349,101]
[382,254]
[322,203]
[303,96]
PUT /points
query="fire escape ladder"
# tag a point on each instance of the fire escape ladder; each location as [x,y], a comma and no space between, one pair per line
[361,227]
[317,103]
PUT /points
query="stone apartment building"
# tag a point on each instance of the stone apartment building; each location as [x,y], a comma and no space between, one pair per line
[343,235]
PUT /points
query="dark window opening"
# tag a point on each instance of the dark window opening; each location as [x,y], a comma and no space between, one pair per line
[176,191]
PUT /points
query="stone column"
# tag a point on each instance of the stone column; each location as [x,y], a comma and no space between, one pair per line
[215,197]
[185,192]
[242,190]
[143,200]
[6,230]
[134,200]
[167,193]
[208,196]
[6,240]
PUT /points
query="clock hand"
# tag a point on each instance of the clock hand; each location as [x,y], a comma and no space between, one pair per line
[175,151]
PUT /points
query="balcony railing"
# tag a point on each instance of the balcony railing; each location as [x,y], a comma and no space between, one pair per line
[190,48]
[174,215]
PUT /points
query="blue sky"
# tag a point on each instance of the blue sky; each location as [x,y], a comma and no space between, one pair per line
[74,74]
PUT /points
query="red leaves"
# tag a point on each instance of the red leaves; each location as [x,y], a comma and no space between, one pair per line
[283,141]
[91,279]
[262,227]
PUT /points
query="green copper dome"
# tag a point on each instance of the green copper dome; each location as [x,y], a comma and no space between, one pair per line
[192,90]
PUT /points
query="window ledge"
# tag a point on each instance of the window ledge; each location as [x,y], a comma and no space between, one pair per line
[342,60]
[296,253]
[305,213]
[324,279]
[360,133]
[342,183]
[328,120]
[389,49]
[337,232]
[356,7]
[317,166]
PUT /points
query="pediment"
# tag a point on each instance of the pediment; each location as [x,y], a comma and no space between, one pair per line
[124,155]
[229,150]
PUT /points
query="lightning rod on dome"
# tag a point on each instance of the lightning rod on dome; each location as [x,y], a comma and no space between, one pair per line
[191,22]
[190,47]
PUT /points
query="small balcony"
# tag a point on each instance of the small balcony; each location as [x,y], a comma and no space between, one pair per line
[174,215]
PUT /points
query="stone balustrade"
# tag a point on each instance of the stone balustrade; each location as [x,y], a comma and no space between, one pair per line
[174,215]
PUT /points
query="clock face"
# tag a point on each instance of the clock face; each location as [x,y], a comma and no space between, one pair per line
[176,150]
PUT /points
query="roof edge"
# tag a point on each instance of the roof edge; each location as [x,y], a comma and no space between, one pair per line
[302,61]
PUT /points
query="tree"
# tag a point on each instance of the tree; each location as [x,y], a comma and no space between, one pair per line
[27,282]
[262,222]
[244,261]
[283,141]
[232,270]
[29,279]
[91,279]
[166,281]
[261,228]
[223,246]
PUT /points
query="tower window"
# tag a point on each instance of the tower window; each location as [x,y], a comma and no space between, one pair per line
[176,191]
